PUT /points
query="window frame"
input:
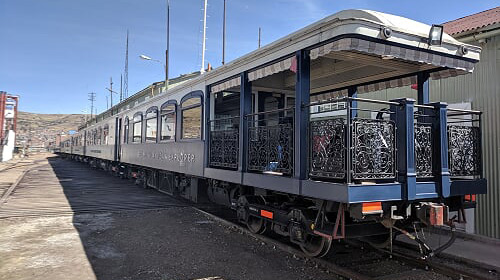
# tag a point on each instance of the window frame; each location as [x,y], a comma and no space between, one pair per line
[160,124]
[99,136]
[126,130]
[145,118]
[191,95]
[105,132]
[138,114]
[94,137]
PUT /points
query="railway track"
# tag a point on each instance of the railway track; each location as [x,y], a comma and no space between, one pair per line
[356,260]
[40,191]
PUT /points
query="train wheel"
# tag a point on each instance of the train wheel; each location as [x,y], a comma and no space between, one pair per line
[256,225]
[316,246]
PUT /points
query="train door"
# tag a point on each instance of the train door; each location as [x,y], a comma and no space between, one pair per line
[118,137]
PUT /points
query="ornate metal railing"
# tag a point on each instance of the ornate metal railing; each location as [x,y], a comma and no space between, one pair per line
[423,150]
[464,150]
[373,149]
[328,148]
[224,143]
[270,148]
[270,141]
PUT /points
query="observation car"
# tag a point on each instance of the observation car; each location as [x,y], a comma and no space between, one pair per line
[328,133]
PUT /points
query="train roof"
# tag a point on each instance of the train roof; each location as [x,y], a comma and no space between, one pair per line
[406,33]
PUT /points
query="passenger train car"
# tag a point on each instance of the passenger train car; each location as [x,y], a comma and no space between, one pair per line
[288,138]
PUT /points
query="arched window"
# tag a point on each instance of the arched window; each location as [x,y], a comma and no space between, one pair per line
[126,130]
[151,124]
[168,120]
[191,110]
[137,128]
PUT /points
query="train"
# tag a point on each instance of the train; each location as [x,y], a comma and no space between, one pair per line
[287,136]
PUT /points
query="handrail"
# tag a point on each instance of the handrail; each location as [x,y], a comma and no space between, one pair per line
[465,111]
[270,111]
[352,99]
[225,118]
[424,106]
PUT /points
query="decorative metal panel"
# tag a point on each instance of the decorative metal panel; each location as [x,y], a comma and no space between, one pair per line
[464,150]
[423,150]
[271,148]
[224,148]
[373,149]
[328,148]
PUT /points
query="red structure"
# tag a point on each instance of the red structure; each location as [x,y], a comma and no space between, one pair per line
[8,106]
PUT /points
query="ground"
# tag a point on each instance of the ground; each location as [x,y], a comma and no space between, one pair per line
[67,221]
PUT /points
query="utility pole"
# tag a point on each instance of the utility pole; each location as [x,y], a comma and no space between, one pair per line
[125,78]
[168,43]
[91,99]
[111,92]
[259,37]
[204,39]
[121,88]
[224,34]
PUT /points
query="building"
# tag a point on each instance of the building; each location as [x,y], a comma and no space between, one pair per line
[480,91]
[8,121]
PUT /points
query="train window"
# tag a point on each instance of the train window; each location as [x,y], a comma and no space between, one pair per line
[137,128]
[191,111]
[94,137]
[125,130]
[151,124]
[99,136]
[106,135]
[167,126]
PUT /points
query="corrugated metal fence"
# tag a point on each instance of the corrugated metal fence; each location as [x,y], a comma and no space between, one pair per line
[482,90]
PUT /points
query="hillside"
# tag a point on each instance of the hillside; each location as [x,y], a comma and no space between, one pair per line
[40,130]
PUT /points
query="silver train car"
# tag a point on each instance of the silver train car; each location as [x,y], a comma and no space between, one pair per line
[287,137]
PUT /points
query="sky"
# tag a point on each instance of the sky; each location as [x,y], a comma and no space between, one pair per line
[54,52]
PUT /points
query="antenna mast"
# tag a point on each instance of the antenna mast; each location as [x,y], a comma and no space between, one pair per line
[224,34]
[125,78]
[168,43]
[204,37]
[259,38]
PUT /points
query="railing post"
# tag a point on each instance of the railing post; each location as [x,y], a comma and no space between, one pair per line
[206,125]
[353,92]
[245,109]
[301,120]
[440,132]
[423,88]
[405,143]
[348,150]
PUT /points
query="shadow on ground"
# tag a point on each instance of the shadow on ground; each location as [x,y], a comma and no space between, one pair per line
[129,232]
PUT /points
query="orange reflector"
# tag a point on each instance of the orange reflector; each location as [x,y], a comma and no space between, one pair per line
[371,207]
[470,197]
[266,214]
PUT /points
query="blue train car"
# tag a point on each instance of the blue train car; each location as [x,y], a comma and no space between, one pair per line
[287,137]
